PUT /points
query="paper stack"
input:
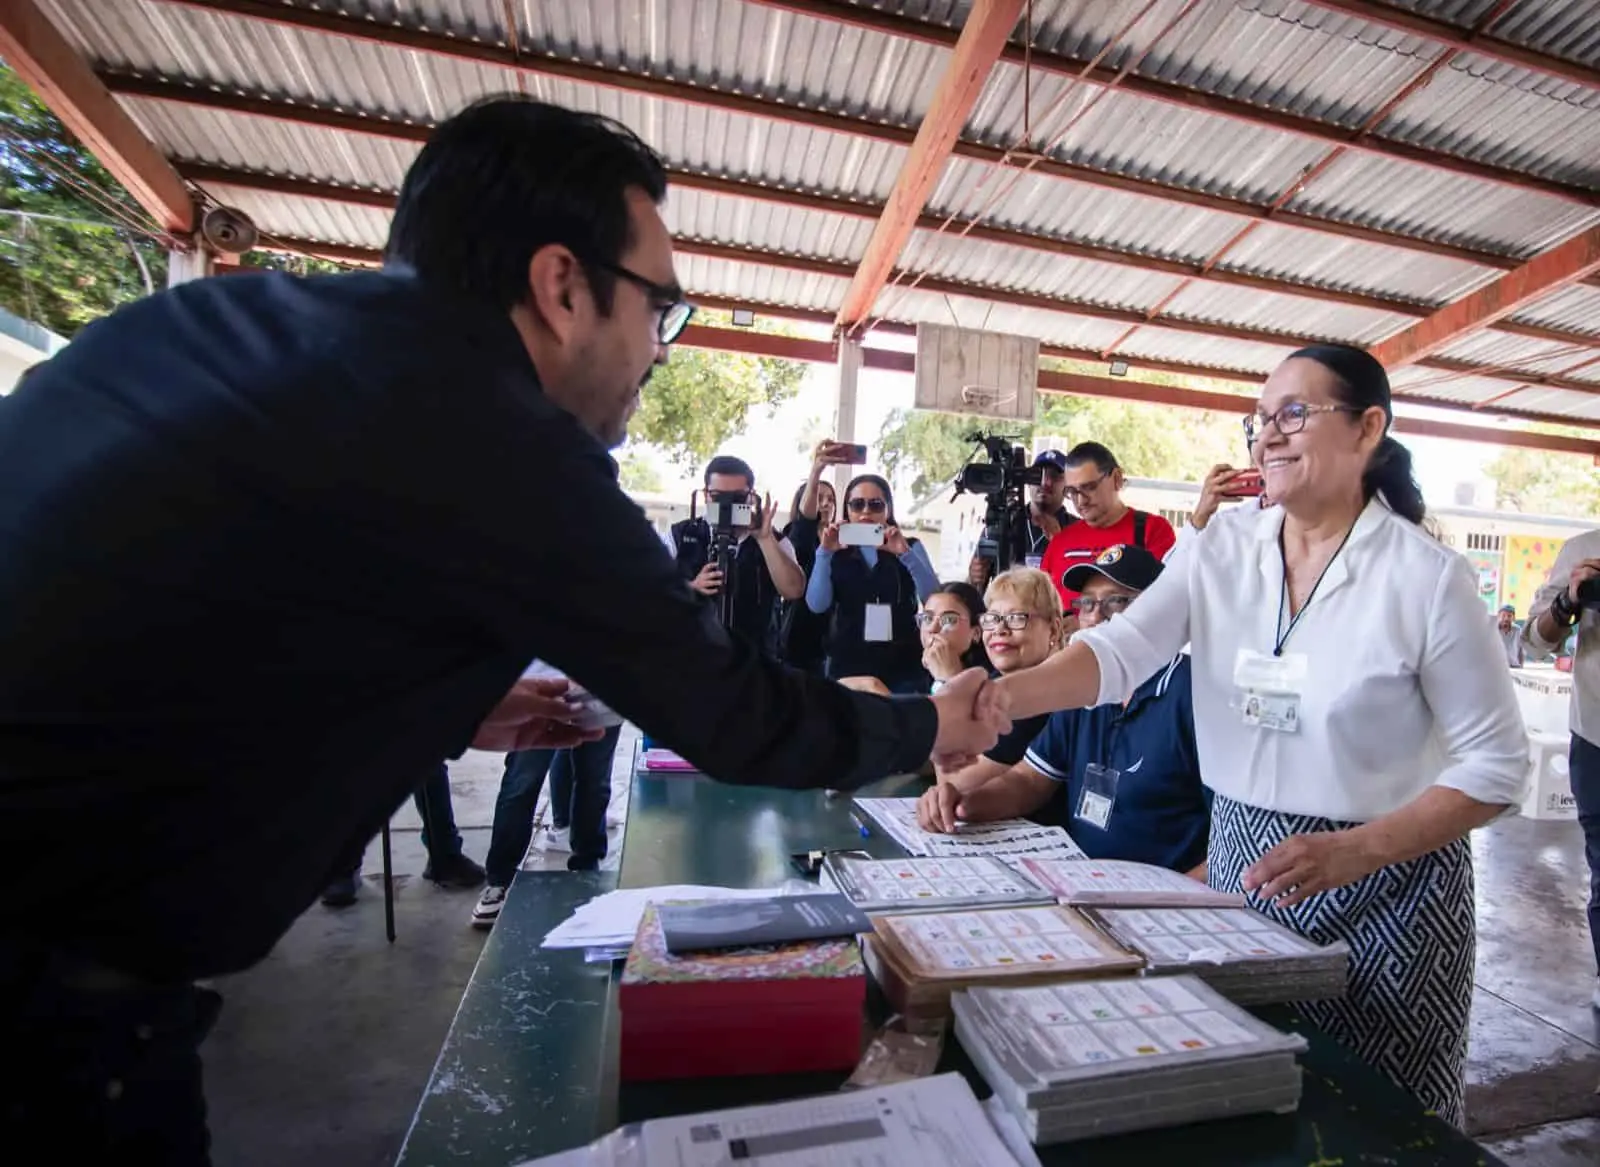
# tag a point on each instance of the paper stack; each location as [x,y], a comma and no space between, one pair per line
[1117,883]
[1091,1058]
[928,885]
[606,926]
[920,959]
[1246,957]
[1014,837]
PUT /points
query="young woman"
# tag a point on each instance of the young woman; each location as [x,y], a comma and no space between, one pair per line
[1347,769]
[870,595]
[951,642]
[801,632]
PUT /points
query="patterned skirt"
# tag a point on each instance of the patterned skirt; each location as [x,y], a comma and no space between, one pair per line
[1412,937]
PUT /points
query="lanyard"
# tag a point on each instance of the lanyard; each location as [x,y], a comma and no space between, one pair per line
[1283,596]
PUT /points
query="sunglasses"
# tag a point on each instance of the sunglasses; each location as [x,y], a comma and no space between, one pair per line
[874,506]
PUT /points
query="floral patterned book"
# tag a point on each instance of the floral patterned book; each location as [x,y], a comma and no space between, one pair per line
[649,962]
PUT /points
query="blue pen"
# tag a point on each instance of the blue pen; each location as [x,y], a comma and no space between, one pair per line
[860,826]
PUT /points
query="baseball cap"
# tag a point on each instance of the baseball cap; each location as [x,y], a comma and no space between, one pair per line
[1051,458]
[1512,608]
[1129,567]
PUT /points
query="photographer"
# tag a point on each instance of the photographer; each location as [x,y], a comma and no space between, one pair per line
[764,567]
[1570,601]
[1029,532]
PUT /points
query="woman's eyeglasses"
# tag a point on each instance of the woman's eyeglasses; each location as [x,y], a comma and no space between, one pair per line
[1108,605]
[1016,621]
[1290,419]
[947,621]
[876,506]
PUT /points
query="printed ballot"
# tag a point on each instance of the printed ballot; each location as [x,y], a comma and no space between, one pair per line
[1006,837]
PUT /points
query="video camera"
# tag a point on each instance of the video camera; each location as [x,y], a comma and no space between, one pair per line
[1003,480]
[729,514]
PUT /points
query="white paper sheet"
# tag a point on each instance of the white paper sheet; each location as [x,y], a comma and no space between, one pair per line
[611,921]
[1009,837]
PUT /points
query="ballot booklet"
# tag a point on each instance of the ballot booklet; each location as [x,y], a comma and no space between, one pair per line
[1008,837]
[744,923]
[931,1122]
[1118,883]
[922,884]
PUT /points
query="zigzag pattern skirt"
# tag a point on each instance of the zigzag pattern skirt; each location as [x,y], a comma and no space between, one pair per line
[1412,937]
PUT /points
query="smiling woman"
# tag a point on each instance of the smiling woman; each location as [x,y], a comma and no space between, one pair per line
[1346,771]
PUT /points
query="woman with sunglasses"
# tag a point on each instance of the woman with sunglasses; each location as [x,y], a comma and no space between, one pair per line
[870,594]
[1353,713]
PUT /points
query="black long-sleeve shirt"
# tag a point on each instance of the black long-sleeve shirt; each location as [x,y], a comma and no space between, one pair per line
[269,549]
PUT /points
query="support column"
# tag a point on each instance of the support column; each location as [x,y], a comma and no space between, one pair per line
[183,266]
[844,426]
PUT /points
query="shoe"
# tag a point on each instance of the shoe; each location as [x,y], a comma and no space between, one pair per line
[556,839]
[457,872]
[487,910]
[341,893]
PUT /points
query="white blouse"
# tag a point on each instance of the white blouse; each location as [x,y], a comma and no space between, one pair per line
[1406,684]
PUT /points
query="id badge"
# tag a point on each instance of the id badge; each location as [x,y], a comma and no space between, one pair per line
[1098,795]
[1034,561]
[880,623]
[1269,689]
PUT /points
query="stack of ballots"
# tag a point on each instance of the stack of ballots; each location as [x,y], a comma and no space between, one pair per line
[1246,957]
[1089,1058]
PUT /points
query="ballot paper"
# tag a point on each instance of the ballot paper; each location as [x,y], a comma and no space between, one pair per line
[930,1122]
[607,924]
[1119,883]
[922,884]
[1008,837]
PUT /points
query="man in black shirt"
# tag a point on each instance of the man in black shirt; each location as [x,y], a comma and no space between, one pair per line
[269,549]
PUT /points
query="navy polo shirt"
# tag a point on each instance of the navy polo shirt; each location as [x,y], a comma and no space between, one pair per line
[1162,813]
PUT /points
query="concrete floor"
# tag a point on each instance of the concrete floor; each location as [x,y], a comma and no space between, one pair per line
[324,1048]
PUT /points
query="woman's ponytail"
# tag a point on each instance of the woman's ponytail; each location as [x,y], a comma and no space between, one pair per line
[1389,474]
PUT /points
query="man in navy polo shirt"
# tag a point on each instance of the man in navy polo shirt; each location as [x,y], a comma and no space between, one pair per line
[1124,780]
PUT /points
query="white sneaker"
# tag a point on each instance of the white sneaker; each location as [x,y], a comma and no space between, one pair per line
[487,909]
[554,840]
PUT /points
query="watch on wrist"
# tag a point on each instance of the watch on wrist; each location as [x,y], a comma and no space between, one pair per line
[1561,608]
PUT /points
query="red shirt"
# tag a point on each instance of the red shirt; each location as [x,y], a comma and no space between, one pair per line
[1080,543]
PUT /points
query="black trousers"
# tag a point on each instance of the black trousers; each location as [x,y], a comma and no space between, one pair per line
[101,1069]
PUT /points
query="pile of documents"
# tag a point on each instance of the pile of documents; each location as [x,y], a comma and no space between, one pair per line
[605,926]
[898,818]
[883,886]
[920,959]
[1090,1058]
[1118,883]
[1246,957]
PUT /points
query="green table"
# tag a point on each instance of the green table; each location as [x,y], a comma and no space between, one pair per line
[546,1082]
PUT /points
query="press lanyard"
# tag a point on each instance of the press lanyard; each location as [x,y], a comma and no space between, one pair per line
[1283,596]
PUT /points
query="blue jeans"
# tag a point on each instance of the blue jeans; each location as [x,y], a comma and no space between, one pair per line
[439,835]
[1584,770]
[580,791]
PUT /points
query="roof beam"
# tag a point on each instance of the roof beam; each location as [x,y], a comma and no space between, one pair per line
[1103,76]
[712,98]
[1547,272]
[33,46]
[984,35]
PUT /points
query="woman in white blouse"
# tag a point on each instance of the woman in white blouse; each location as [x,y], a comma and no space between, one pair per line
[1353,714]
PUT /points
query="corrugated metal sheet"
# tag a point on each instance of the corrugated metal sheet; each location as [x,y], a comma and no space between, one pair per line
[1292,315]
[1164,344]
[1437,385]
[474,19]
[1576,308]
[1584,406]
[1508,117]
[758,283]
[1050,327]
[721,219]
[296,218]
[1073,210]
[1433,204]
[1138,136]
[1503,350]
[1562,28]
[1037,272]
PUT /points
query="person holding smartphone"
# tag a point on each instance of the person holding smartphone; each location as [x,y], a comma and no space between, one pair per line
[801,631]
[868,581]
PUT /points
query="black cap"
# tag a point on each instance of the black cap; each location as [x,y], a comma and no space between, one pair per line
[1129,567]
[1051,458]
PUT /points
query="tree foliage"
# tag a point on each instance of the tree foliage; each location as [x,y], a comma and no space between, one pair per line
[65,259]
[1540,482]
[638,474]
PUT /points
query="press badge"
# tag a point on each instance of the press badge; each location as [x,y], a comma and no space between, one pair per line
[1098,794]
[880,623]
[1269,689]
[1034,561]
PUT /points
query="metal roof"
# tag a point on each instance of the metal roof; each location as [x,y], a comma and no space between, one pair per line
[1228,152]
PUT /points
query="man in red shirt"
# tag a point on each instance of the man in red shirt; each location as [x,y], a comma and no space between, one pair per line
[1094,487]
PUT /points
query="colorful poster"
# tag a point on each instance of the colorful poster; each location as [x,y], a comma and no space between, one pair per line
[1529,559]
[1487,565]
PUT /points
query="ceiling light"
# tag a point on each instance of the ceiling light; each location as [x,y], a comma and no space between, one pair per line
[1119,368]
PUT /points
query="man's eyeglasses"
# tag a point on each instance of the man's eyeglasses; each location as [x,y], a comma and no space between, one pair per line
[876,506]
[1016,621]
[1108,605]
[666,299]
[1079,493]
[946,621]
[1290,419]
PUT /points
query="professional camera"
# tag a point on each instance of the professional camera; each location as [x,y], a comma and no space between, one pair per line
[729,514]
[1589,593]
[1003,480]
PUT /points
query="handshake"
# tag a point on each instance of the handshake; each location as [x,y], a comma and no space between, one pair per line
[973,712]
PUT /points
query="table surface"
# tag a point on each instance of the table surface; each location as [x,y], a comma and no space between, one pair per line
[529,1067]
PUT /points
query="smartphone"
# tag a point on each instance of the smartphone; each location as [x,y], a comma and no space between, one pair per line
[1245,484]
[861,534]
[858,455]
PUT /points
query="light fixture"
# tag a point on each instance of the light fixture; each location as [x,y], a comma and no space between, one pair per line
[743,318]
[1119,368]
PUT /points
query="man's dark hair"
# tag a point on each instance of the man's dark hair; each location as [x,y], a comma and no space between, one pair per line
[728,464]
[1104,460]
[507,176]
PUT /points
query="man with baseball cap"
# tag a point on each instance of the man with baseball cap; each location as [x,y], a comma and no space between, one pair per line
[1505,623]
[1032,531]
[1124,780]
